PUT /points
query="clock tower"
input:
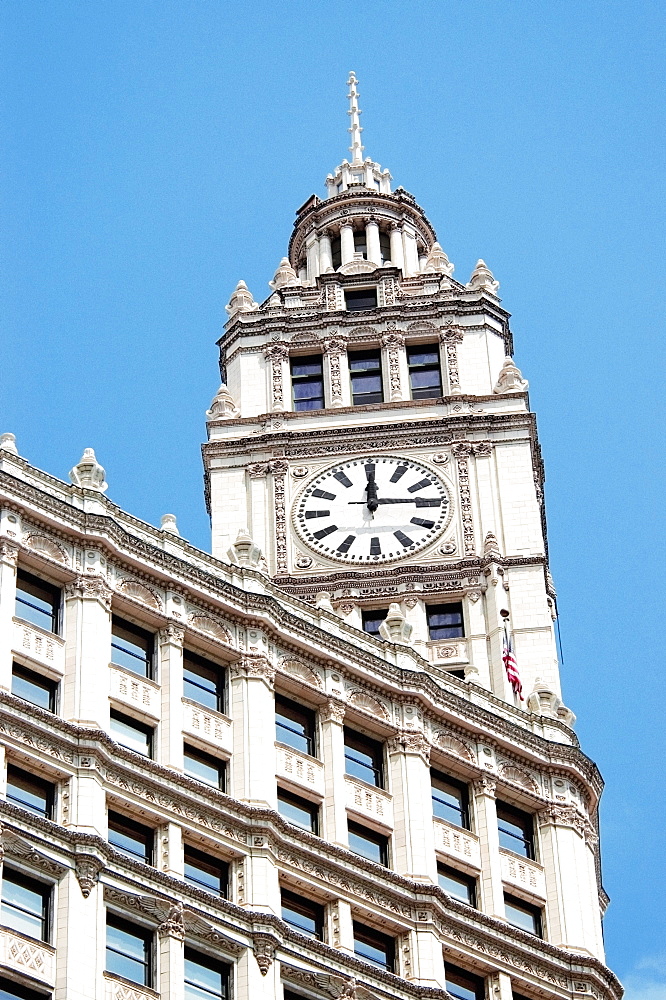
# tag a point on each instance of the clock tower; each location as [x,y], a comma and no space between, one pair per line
[371,447]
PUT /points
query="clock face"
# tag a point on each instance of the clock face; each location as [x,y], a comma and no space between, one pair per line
[372,510]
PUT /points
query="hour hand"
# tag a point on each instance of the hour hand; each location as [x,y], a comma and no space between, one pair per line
[371,489]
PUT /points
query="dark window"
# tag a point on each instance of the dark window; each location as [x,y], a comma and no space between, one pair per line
[294,725]
[203,681]
[425,378]
[9,990]
[336,252]
[132,647]
[368,844]
[463,985]
[372,619]
[523,915]
[360,242]
[516,830]
[364,758]
[37,602]
[34,688]
[131,734]
[31,792]
[445,621]
[206,872]
[374,947]
[204,767]
[365,368]
[385,246]
[128,950]
[363,298]
[25,904]
[131,838]
[298,811]
[307,382]
[306,916]
[205,978]
[450,799]
[457,884]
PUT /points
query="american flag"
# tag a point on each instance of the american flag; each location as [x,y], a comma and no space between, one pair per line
[510,665]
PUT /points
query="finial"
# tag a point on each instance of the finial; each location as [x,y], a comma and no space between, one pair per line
[355,130]
[510,378]
[482,279]
[168,523]
[437,261]
[88,473]
[8,443]
[223,406]
[241,300]
[285,275]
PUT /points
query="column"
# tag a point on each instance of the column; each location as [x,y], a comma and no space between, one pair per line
[325,253]
[171,943]
[372,242]
[395,366]
[332,717]
[9,551]
[312,253]
[170,676]
[253,712]
[87,652]
[346,243]
[397,255]
[336,371]
[423,260]
[492,893]
[413,835]
[411,254]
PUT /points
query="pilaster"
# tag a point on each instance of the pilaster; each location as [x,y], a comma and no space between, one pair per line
[9,551]
[277,357]
[485,812]
[395,366]
[171,944]
[397,252]
[332,717]
[87,652]
[252,705]
[336,371]
[170,643]
[413,837]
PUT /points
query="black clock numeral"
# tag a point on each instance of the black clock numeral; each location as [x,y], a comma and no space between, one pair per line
[422,523]
[403,538]
[323,495]
[346,545]
[317,513]
[420,502]
[398,474]
[419,486]
[326,531]
[342,478]
[375,547]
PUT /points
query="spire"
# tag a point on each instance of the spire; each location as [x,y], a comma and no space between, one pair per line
[354,113]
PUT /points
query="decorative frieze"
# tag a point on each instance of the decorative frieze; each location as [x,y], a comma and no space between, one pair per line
[277,355]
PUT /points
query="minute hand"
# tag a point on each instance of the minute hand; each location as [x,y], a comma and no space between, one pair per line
[419,501]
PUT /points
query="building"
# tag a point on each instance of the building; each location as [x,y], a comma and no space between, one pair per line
[298,767]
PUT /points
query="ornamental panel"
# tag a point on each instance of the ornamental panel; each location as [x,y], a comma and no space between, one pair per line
[43,647]
[460,844]
[26,955]
[119,989]
[448,651]
[137,692]
[299,769]
[524,874]
[368,802]
[207,725]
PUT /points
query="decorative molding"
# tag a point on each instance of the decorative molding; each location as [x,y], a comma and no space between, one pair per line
[367,703]
[485,785]
[47,547]
[410,742]
[280,505]
[171,635]
[297,668]
[173,925]
[276,355]
[90,587]
[140,592]
[250,666]
[264,947]
[16,847]
[9,551]
[87,870]
[333,711]
[453,745]
[211,627]
[461,450]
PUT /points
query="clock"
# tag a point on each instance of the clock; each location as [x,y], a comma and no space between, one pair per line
[372,510]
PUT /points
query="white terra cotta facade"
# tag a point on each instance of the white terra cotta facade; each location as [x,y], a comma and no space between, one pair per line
[274,613]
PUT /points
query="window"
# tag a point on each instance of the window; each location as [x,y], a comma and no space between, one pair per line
[205,978]
[359,299]
[463,985]
[34,688]
[131,838]
[131,734]
[203,682]
[9,990]
[306,916]
[457,884]
[372,619]
[294,725]
[374,947]
[368,844]
[385,246]
[132,647]
[37,602]
[298,811]
[307,382]
[365,368]
[206,872]
[128,950]
[204,767]
[364,758]
[425,378]
[450,799]
[360,242]
[516,830]
[25,904]
[523,915]
[336,250]
[445,621]
[30,792]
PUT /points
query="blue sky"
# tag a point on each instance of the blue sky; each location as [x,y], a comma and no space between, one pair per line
[155,153]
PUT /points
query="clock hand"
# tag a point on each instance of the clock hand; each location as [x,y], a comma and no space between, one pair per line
[371,489]
[419,501]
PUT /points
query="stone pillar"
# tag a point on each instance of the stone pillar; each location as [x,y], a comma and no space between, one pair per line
[171,943]
[395,366]
[170,676]
[413,835]
[87,652]
[341,926]
[257,488]
[253,712]
[312,252]
[411,254]
[346,242]
[279,393]
[449,338]
[332,717]
[9,551]
[336,373]
[397,254]
[372,242]
[170,848]
[492,893]
[426,956]
[325,253]
[80,931]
